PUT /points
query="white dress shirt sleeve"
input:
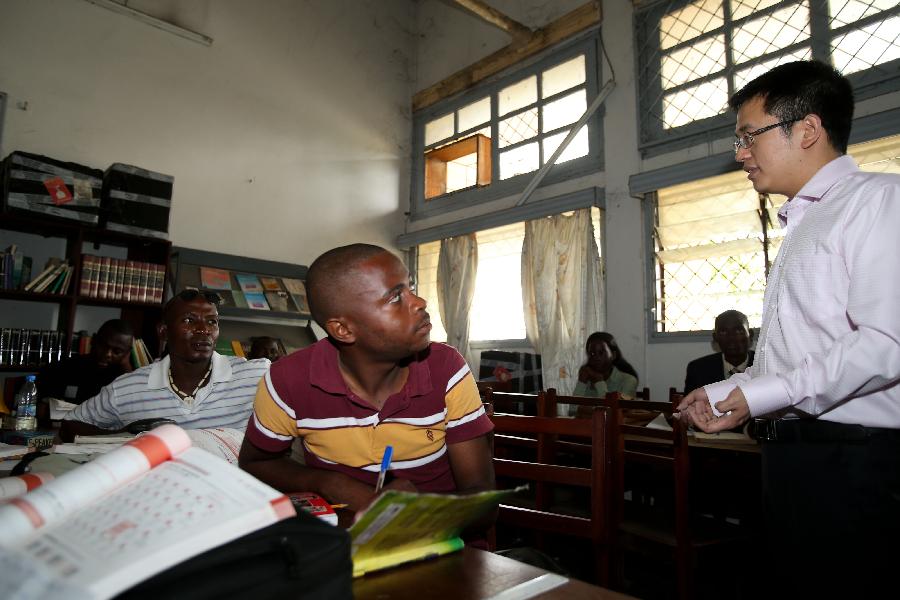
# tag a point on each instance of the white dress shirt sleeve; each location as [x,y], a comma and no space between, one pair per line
[867,358]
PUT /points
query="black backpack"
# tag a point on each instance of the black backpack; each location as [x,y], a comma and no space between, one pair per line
[300,557]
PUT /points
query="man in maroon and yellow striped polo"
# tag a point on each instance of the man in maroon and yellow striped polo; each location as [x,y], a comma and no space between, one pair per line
[376,380]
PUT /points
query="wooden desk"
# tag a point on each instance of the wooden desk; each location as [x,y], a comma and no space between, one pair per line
[470,574]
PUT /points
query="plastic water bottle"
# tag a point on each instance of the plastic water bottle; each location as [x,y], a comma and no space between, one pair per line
[26,406]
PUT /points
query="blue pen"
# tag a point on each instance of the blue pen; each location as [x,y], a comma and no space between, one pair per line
[385,465]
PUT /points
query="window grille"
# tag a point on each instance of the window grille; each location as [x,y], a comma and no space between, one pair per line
[692,56]
[715,238]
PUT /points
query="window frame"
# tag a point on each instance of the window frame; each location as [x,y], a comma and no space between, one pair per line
[645,185]
[593,197]
[655,140]
[587,44]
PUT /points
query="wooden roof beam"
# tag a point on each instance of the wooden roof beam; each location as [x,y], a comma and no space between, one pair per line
[580,19]
[492,16]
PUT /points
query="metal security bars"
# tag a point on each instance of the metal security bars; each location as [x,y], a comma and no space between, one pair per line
[693,55]
[714,239]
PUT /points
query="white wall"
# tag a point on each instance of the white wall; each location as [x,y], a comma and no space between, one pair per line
[286,137]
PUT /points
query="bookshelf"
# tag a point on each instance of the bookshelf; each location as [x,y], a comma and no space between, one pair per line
[69,241]
[292,327]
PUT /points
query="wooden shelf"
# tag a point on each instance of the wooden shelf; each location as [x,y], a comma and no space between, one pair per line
[36,297]
[143,316]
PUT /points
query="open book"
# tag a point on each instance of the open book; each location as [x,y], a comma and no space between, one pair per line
[400,527]
[127,515]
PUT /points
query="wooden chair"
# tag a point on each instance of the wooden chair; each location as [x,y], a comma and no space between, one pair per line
[653,465]
[544,471]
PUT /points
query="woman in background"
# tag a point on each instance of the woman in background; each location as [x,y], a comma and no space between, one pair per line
[605,370]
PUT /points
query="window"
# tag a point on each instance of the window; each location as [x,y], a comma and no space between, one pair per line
[489,142]
[693,55]
[496,312]
[715,238]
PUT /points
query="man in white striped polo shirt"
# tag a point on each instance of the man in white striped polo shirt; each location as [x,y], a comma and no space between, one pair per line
[376,381]
[194,385]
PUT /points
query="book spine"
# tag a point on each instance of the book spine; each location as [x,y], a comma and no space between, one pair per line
[160,284]
[113,274]
[103,281]
[128,283]
[120,279]
[87,267]
[95,277]
[144,282]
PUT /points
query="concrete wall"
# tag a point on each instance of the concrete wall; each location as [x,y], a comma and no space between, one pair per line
[288,136]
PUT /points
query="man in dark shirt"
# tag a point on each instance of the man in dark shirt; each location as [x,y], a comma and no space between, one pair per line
[732,337]
[80,377]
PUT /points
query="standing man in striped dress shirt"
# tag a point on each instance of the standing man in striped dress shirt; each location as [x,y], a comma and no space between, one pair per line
[826,376]
[193,385]
[375,381]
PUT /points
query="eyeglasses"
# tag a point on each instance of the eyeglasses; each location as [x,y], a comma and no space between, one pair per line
[191,293]
[746,140]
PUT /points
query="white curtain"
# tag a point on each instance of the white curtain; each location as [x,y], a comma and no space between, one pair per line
[562,294]
[456,270]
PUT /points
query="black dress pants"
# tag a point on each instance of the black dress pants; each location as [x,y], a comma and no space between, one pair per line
[832,512]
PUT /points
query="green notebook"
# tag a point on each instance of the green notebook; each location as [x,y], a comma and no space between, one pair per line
[401,527]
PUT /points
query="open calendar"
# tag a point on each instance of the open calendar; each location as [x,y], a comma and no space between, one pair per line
[129,514]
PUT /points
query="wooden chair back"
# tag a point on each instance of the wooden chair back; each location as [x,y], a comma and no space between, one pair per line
[545,472]
[666,453]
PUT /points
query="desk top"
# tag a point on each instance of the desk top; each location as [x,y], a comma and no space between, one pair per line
[472,574]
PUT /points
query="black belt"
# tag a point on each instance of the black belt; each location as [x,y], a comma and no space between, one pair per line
[815,430]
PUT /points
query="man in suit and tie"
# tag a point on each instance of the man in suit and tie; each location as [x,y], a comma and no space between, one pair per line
[732,337]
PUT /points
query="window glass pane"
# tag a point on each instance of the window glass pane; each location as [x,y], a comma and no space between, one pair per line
[704,57]
[710,252]
[518,95]
[745,8]
[562,77]
[878,156]
[496,312]
[694,19]
[745,76]
[576,149]
[772,32]
[874,44]
[523,159]
[847,12]
[438,129]
[519,127]
[474,114]
[698,102]
[564,111]
[426,286]
[462,172]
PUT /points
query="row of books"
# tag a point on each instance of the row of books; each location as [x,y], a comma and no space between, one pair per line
[120,279]
[31,347]
[258,292]
[15,269]
[140,355]
[54,279]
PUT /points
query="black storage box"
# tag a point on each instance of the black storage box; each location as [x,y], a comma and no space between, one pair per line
[47,186]
[521,369]
[137,201]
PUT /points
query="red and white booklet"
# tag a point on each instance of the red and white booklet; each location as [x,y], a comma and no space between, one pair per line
[17,485]
[127,515]
[315,505]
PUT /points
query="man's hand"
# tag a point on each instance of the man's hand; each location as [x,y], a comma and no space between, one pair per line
[695,409]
